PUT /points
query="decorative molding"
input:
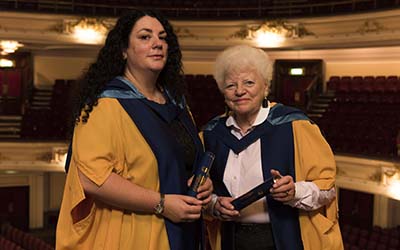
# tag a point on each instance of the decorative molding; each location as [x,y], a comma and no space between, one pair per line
[375,177]
[45,33]
[45,157]
[67,25]
[3,157]
[288,30]
[32,157]
[184,33]
[371,26]
[370,176]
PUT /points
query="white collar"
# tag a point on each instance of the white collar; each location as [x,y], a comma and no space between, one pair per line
[261,117]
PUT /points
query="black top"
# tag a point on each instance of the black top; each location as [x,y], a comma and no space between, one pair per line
[169,113]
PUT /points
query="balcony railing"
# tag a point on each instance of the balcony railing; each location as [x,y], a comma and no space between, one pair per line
[208,9]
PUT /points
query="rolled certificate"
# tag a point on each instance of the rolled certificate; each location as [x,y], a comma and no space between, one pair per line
[201,172]
[254,194]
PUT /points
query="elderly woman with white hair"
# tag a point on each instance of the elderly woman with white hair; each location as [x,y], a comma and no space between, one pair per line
[256,140]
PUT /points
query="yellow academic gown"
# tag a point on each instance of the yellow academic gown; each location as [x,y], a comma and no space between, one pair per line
[314,161]
[109,142]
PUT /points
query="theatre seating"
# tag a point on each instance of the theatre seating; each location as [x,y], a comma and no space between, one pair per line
[51,121]
[369,129]
[12,238]
[364,116]
[36,123]
[8,245]
[365,89]
[204,98]
[350,123]
[375,238]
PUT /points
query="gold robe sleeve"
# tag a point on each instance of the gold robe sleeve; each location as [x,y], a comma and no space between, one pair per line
[314,161]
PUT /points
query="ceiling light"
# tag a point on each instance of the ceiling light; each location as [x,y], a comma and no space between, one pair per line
[9,46]
[269,39]
[87,30]
[272,33]
[5,63]
[59,155]
[394,189]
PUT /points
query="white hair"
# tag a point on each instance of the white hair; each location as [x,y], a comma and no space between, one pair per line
[242,57]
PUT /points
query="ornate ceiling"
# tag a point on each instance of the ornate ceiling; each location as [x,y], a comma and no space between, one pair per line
[44,33]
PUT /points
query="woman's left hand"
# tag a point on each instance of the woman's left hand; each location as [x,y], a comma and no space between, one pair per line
[283,189]
[204,191]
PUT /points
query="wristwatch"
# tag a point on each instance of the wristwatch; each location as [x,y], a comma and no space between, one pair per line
[159,208]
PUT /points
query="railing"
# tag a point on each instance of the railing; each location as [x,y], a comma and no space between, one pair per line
[204,9]
[311,92]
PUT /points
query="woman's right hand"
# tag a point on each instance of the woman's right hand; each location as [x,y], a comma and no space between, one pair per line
[182,208]
[225,210]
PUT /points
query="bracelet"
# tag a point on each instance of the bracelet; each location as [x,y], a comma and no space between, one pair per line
[159,208]
[215,213]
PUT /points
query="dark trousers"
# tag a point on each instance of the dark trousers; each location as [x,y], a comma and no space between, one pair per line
[250,236]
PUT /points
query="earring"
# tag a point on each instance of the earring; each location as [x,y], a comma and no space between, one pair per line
[265,102]
[124,56]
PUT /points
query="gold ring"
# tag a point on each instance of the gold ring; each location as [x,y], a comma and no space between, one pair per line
[287,193]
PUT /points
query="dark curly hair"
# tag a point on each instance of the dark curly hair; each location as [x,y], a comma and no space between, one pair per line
[110,63]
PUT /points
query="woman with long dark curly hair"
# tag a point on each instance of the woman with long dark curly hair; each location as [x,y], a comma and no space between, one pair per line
[134,147]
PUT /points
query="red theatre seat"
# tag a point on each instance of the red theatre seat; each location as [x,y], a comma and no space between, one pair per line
[333,82]
[368,83]
[356,84]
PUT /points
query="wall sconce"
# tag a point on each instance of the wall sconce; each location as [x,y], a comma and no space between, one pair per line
[59,155]
[5,63]
[87,30]
[9,46]
[391,179]
[272,33]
